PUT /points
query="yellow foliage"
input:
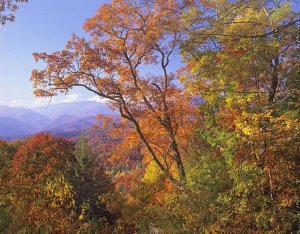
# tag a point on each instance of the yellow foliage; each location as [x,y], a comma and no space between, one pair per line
[152,173]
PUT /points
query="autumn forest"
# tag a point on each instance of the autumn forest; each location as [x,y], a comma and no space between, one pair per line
[205,131]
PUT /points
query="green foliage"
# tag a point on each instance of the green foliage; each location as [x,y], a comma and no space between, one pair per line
[89,181]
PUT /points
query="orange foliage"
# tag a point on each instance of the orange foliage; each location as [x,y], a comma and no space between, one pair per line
[42,156]
[127,37]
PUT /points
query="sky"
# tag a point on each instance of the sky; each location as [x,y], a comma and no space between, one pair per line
[40,26]
[44,26]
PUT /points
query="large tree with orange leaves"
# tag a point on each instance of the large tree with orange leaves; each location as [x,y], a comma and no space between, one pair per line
[127,38]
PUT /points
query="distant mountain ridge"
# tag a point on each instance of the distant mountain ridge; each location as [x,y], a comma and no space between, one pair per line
[10,126]
[66,119]
[68,123]
[32,119]
[78,109]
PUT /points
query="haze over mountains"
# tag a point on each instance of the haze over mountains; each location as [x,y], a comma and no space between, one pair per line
[64,119]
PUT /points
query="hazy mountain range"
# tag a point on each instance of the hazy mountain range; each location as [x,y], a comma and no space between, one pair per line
[66,119]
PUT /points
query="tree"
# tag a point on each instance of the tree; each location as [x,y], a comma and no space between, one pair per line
[40,193]
[127,38]
[7,9]
[7,151]
[90,182]
[48,185]
[246,75]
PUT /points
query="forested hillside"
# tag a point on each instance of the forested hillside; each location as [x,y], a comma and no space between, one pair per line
[207,138]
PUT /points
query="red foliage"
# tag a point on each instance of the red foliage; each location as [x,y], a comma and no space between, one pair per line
[42,155]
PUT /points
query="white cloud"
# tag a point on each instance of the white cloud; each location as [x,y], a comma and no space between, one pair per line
[41,102]
[38,102]
[97,99]
[16,103]
[73,97]
[69,98]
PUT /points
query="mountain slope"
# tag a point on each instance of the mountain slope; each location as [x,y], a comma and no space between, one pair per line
[34,120]
[68,123]
[14,127]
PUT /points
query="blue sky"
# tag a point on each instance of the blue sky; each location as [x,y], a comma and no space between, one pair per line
[43,26]
[40,26]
